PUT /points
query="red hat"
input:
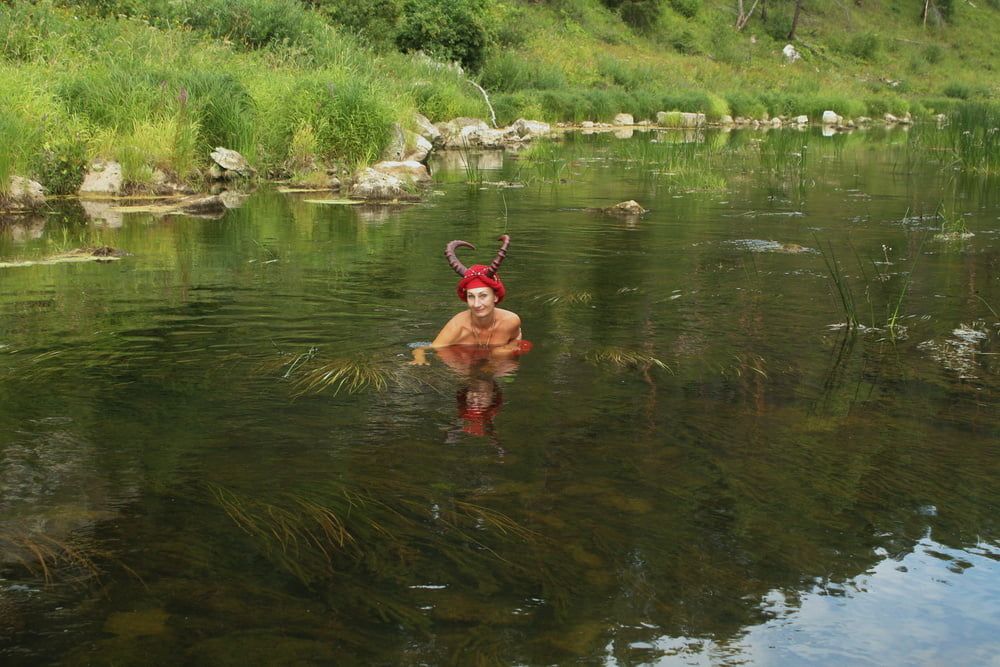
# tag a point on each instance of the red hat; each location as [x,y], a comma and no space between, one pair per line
[478,275]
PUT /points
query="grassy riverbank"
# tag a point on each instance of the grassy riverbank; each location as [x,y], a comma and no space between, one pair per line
[300,87]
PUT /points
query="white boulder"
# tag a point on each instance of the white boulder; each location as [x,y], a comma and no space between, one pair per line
[102,178]
[624,119]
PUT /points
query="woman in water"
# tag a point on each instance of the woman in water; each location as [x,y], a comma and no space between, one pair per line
[482,325]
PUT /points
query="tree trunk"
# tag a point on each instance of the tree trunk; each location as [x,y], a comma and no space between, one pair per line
[795,19]
[744,18]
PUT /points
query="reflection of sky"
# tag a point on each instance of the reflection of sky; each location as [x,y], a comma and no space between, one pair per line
[935,606]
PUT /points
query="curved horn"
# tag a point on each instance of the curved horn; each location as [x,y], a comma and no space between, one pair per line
[501,255]
[449,253]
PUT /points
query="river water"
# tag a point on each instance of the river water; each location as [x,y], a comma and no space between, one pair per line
[213,451]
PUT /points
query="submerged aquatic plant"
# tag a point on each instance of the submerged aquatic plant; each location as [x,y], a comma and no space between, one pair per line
[623,358]
[308,373]
[388,530]
[351,375]
[48,557]
[568,297]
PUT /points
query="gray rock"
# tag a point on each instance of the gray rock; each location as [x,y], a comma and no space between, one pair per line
[412,171]
[790,53]
[102,178]
[630,207]
[418,148]
[832,118]
[726,120]
[529,129]
[212,204]
[396,148]
[889,118]
[372,185]
[25,194]
[624,119]
[692,119]
[802,120]
[426,129]
[232,163]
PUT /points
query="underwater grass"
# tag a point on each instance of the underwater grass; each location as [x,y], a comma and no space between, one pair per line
[49,558]
[565,297]
[625,358]
[383,530]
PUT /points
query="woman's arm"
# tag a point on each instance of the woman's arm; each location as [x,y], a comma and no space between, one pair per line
[447,336]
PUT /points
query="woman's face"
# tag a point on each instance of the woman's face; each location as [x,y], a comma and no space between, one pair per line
[481,301]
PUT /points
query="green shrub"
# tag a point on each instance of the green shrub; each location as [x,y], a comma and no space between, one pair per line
[746,104]
[250,23]
[372,21]
[933,54]
[883,104]
[621,73]
[509,71]
[778,23]
[62,165]
[525,104]
[222,108]
[640,14]
[683,41]
[958,90]
[686,8]
[350,118]
[865,46]
[450,30]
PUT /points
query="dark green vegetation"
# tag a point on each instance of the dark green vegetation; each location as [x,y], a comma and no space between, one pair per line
[304,86]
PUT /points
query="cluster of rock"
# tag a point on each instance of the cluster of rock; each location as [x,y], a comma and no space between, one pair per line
[691,120]
[402,174]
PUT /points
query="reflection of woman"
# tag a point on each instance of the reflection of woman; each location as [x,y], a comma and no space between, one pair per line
[478,404]
[482,324]
[479,399]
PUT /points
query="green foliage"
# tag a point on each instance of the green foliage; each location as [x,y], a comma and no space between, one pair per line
[640,14]
[746,104]
[350,119]
[865,46]
[778,23]
[880,105]
[684,41]
[450,30]
[374,22]
[686,8]
[62,165]
[933,54]
[250,23]
[222,108]
[25,113]
[509,71]
[622,73]
[960,90]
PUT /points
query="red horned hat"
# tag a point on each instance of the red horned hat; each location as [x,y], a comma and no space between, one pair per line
[478,275]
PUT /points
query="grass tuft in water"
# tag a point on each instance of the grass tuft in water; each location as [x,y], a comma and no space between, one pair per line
[47,557]
[840,283]
[623,358]
[581,297]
